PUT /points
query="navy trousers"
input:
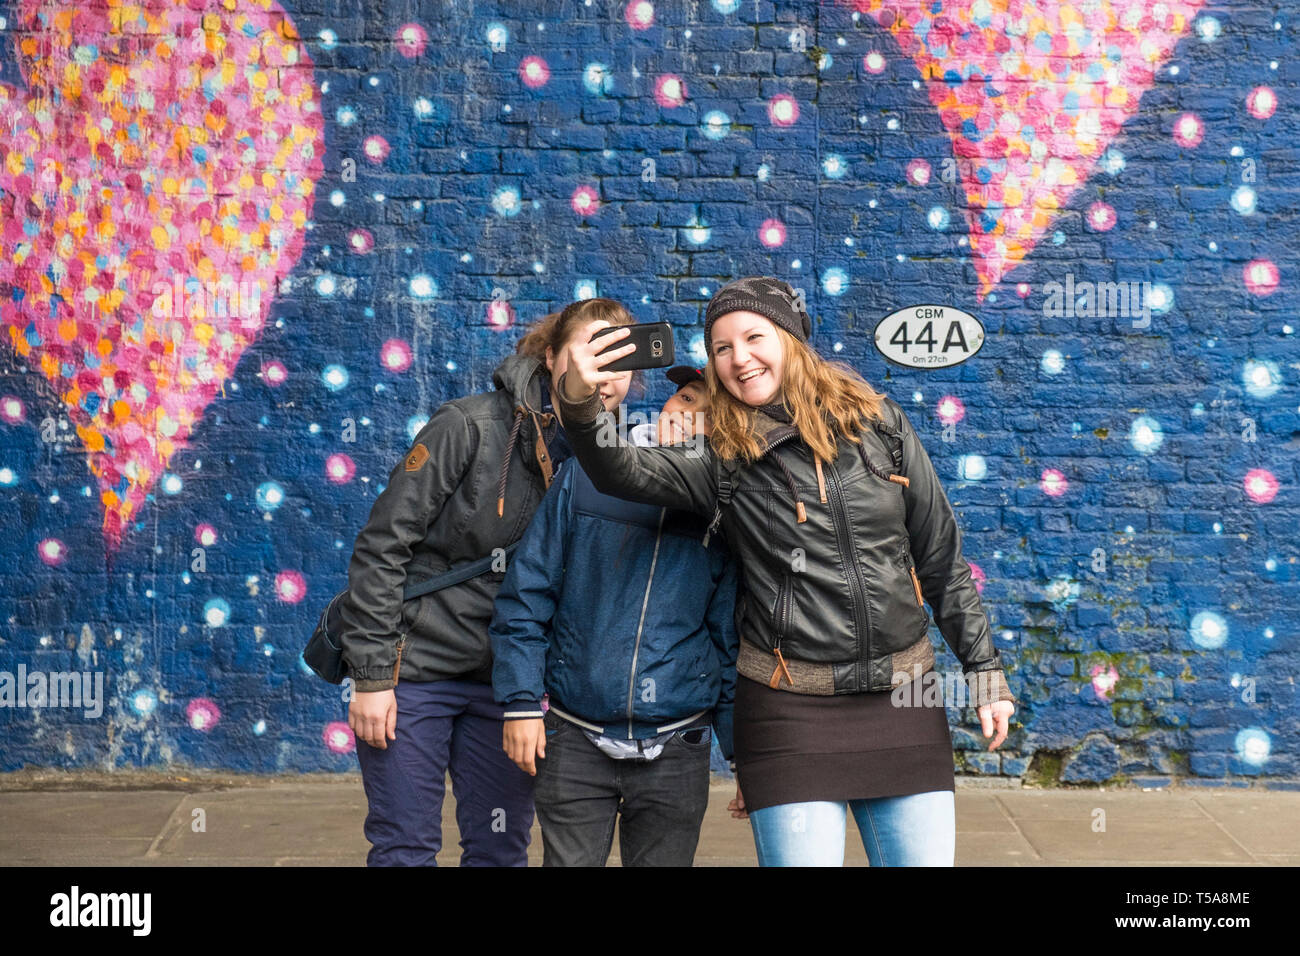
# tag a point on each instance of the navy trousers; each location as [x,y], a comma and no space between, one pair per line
[445,726]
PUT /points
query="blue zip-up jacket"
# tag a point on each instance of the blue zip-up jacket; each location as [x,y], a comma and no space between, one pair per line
[619,612]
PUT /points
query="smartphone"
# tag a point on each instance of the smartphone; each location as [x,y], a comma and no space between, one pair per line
[654,346]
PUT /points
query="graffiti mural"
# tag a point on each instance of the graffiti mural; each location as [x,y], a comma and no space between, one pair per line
[249,248]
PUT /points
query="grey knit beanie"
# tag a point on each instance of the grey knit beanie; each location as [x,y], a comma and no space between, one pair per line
[765,295]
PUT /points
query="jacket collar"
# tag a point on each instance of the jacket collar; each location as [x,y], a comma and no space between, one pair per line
[769,431]
[520,377]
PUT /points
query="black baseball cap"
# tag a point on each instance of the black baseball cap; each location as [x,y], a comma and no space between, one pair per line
[683,375]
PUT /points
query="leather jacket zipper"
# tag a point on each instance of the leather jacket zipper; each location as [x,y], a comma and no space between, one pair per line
[784,602]
[645,603]
[916,585]
[857,587]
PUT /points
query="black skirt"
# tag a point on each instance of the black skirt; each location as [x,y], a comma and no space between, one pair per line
[793,748]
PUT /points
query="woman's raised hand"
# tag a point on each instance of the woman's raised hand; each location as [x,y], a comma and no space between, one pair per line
[583,369]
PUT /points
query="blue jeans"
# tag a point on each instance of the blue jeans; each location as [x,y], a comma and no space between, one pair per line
[914,830]
[442,726]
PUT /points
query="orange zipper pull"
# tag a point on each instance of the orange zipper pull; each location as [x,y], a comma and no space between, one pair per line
[397,665]
[780,668]
[916,585]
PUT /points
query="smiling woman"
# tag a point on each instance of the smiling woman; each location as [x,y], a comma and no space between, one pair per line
[828,499]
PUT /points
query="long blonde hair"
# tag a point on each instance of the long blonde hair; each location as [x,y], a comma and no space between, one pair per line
[823,397]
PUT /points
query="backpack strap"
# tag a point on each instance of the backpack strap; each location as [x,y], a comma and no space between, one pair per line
[454,576]
[892,435]
[724,476]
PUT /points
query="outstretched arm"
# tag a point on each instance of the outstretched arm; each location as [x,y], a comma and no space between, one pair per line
[944,574]
[673,476]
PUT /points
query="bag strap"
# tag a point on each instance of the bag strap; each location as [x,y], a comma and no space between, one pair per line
[725,473]
[892,435]
[454,576]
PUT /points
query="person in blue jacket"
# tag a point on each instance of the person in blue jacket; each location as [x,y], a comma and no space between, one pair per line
[622,614]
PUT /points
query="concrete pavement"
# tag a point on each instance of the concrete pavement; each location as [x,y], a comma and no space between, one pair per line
[146,819]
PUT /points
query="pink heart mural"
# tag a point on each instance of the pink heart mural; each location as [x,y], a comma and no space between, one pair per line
[156,178]
[1031,92]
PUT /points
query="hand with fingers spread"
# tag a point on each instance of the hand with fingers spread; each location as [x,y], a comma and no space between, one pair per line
[373,717]
[584,369]
[996,715]
[523,740]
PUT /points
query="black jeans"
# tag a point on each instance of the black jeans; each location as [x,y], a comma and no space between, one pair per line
[659,803]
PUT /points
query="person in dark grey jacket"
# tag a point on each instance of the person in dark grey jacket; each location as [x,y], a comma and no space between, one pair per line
[421,670]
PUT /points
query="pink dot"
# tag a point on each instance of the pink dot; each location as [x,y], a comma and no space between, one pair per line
[1023,289]
[783,110]
[411,40]
[274,373]
[1101,216]
[950,409]
[640,14]
[585,202]
[395,355]
[1261,102]
[772,233]
[205,535]
[290,587]
[1260,485]
[375,148]
[52,551]
[670,90]
[1189,130]
[534,72]
[202,714]
[874,62]
[339,738]
[12,409]
[340,468]
[1104,679]
[500,314]
[1260,276]
[918,172]
[361,241]
[1053,482]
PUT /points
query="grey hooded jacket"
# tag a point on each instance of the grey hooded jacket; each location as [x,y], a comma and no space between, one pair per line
[458,495]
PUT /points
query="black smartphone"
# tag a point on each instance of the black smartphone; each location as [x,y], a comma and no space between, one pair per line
[654,346]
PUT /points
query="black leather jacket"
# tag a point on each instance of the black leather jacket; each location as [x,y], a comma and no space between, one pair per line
[440,510]
[839,594]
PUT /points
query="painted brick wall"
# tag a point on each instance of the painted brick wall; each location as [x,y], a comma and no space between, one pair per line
[394,189]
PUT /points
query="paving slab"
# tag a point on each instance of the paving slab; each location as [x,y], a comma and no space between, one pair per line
[150,820]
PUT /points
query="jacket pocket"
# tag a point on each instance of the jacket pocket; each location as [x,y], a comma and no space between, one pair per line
[905,561]
[916,585]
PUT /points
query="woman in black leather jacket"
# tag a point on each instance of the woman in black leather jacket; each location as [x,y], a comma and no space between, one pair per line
[832,506]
